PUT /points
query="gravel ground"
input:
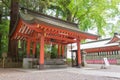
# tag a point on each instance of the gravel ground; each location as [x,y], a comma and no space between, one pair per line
[54,74]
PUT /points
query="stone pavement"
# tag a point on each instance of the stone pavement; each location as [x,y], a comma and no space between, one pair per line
[91,72]
[111,68]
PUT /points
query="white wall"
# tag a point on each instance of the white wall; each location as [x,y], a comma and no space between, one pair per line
[69,50]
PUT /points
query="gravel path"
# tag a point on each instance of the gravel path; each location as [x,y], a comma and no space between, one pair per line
[54,74]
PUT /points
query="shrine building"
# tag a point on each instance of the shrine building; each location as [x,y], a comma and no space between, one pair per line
[105,48]
[36,28]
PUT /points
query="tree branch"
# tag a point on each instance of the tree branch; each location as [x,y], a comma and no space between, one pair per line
[85,12]
[5,3]
[73,19]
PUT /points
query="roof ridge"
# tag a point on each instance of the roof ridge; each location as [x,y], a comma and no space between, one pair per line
[97,40]
[38,13]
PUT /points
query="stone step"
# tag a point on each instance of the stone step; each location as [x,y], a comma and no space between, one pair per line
[55,66]
[52,66]
[55,62]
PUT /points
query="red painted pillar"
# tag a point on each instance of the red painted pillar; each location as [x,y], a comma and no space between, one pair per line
[28,48]
[78,53]
[41,58]
[59,50]
[34,48]
[63,48]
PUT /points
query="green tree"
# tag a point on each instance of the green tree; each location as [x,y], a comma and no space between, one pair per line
[54,51]
[4,25]
[36,5]
[88,14]
[4,35]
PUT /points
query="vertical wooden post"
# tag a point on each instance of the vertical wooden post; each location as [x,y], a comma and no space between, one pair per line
[78,53]
[59,50]
[63,47]
[34,48]
[28,48]
[41,58]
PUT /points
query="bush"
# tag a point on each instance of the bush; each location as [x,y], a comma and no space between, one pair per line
[54,52]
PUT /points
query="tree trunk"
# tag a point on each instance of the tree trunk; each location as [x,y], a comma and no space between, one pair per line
[69,16]
[12,46]
[0,43]
[0,33]
[0,17]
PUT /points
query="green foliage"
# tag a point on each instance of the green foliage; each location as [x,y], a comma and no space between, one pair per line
[69,61]
[4,28]
[4,25]
[36,5]
[54,51]
[87,13]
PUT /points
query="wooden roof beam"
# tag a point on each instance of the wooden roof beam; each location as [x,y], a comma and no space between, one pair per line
[32,26]
[26,36]
[59,30]
[17,29]
[59,38]
[81,35]
[49,42]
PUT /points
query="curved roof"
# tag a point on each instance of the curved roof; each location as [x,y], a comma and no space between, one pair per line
[31,25]
[115,39]
[99,46]
[35,17]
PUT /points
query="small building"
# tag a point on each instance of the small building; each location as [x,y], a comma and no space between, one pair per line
[105,48]
[36,28]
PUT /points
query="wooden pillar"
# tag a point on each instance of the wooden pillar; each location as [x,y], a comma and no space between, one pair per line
[63,48]
[41,58]
[59,50]
[34,48]
[28,48]
[78,53]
